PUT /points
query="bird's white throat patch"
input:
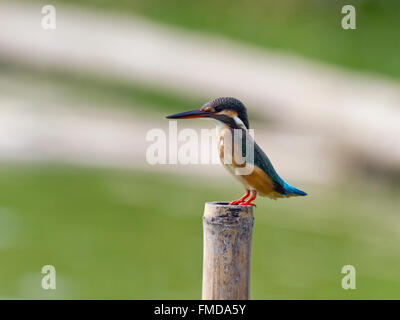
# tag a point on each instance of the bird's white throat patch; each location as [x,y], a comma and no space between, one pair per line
[239,123]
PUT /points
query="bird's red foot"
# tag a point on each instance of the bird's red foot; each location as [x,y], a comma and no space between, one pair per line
[250,201]
[241,199]
[247,203]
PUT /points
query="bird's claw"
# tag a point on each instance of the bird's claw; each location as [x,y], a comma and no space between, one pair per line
[242,199]
[243,202]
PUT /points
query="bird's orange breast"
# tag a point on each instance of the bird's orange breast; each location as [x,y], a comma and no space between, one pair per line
[231,158]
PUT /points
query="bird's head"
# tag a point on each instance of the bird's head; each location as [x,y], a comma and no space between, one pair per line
[229,111]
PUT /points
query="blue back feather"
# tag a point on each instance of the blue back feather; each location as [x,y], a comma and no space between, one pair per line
[262,161]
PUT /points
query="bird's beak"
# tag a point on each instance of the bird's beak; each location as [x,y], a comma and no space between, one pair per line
[198,113]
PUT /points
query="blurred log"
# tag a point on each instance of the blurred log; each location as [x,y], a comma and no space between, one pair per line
[227,251]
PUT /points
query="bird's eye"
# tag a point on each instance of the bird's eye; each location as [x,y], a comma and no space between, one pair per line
[217,109]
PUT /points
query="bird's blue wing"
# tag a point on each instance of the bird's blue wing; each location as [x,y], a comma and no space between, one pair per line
[262,161]
[260,158]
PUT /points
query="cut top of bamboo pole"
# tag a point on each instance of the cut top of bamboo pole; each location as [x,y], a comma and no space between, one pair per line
[227,251]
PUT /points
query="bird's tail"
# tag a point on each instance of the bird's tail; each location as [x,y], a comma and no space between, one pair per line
[292,191]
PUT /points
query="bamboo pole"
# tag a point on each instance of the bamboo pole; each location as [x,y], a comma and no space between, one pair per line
[227,251]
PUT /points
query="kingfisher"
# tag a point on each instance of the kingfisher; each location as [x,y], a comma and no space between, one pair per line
[231,116]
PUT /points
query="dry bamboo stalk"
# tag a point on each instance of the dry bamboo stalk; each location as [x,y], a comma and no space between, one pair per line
[227,251]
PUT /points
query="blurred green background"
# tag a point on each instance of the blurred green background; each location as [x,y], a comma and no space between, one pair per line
[117,231]
[306,27]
